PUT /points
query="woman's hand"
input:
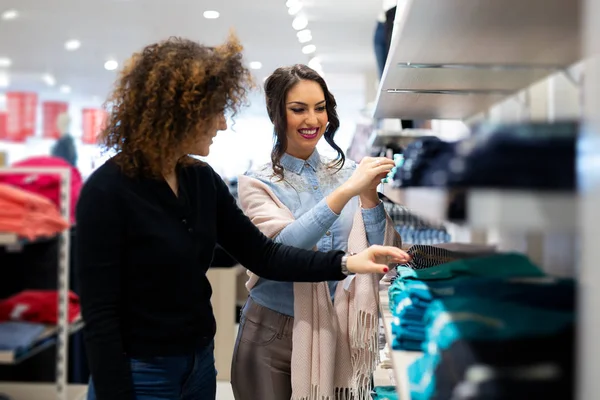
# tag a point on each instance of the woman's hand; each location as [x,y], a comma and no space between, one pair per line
[368,174]
[375,260]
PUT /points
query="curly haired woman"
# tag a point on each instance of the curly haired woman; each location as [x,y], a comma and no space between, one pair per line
[149,220]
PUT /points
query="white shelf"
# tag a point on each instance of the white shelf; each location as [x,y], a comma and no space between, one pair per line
[380,138]
[400,359]
[8,239]
[501,209]
[45,340]
[450,46]
[432,106]
[40,391]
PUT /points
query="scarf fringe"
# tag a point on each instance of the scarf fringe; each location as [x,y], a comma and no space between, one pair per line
[362,393]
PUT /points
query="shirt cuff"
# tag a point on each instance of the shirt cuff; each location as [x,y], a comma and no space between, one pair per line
[323,215]
[373,216]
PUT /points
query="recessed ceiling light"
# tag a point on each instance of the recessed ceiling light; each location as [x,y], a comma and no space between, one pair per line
[304,36]
[256,65]
[292,3]
[72,45]
[309,49]
[211,14]
[111,65]
[49,80]
[295,9]
[4,80]
[299,23]
[65,89]
[314,63]
[5,62]
[10,14]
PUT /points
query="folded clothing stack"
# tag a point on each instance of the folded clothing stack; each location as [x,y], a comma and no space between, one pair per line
[18,336]
[519,156]
[385,393]
[28,215]
[460,313]
[39,306]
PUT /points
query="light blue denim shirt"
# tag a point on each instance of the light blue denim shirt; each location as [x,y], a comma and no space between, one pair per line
[303,191]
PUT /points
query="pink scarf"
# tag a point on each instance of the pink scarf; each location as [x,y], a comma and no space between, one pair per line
[334,350]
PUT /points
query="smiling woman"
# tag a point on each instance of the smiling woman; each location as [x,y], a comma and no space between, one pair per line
[308,201]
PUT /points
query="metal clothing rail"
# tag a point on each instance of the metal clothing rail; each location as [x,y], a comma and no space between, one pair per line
[62,342]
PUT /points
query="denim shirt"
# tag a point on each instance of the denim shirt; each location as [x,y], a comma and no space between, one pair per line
[303,191]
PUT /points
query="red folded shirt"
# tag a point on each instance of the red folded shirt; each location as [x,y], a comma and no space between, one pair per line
[39,306]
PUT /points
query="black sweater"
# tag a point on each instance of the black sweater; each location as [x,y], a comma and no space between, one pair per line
[142,254]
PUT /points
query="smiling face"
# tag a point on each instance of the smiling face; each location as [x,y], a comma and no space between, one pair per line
[306,115]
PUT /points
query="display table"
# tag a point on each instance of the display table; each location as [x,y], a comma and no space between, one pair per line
[224,286]
[40,391]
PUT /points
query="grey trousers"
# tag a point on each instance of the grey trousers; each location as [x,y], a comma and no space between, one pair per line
[261,365]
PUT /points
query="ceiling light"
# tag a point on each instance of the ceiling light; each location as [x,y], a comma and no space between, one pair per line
[309,49]
[111,65]
[4,80]
[295,9]
[65,89]
[292,3]
[72,45]
[10,14]
[5,62]
[304,36]
[314,63]
[256,65]
[211,14]
[49,80]
[299,23]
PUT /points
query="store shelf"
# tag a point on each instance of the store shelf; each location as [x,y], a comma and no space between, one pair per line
[8,239]
[40,391]
[400,359]
[484,49]
[380,138]
[433,105]
[46,340]
[501,209]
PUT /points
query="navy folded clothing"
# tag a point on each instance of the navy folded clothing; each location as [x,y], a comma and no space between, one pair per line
[19,335]
[519,156]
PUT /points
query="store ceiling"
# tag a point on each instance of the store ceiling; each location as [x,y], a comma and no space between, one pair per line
[114,29]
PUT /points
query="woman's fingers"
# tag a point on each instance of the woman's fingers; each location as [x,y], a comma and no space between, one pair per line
[394,253]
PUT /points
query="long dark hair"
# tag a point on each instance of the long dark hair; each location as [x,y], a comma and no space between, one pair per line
[277,87]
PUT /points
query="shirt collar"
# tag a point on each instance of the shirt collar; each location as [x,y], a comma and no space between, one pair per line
[296,165]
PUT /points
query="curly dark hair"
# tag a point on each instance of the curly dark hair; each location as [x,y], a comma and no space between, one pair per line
[166,96]
[276,88]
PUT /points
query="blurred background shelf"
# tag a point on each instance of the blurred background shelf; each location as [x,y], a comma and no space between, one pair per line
[501,209]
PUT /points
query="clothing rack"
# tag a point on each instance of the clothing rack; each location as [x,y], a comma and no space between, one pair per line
[444,63]
[60,390]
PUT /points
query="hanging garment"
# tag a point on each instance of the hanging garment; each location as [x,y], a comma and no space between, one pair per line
[46,185]
[37,306]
